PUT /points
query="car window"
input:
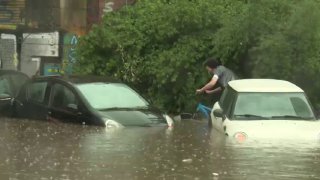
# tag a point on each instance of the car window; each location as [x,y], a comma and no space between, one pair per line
[4,85]
[300,107]
[36,91]
[227,100]
[63,97]
[17,81]
[111,95]
[273,105]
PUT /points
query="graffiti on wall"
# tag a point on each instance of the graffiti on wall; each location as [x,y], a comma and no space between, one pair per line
[12,11]
[69,57]
[97,9]
[108,7]
[50,69]
[72,50]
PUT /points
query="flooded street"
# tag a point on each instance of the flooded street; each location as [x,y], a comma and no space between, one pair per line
[41,150]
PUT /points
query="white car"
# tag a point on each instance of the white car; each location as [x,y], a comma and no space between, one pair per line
[265,108]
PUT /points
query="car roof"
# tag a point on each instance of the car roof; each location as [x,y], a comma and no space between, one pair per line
[263,85]
[79,79]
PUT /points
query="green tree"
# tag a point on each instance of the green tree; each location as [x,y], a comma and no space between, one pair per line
[156,46]
[159,46]
[292,51]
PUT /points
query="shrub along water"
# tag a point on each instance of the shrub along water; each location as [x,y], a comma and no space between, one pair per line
[159,46]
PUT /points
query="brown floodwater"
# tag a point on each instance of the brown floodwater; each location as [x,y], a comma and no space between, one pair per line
[45,150]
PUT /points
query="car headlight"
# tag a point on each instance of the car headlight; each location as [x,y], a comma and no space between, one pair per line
[240,136]
[169,120]
[111,124]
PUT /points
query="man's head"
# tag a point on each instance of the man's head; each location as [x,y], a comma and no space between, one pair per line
[211,64]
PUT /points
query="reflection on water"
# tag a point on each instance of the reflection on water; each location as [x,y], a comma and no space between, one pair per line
[41,150]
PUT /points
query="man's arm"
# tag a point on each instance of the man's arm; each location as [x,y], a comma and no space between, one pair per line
[208,86]
[214,90]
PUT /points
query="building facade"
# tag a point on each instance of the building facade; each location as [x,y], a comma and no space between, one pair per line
[40,36]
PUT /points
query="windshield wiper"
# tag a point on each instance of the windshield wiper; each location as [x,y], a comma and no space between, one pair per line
[140,107]
[113,108]
[291,116]
[123,108]
[251,116]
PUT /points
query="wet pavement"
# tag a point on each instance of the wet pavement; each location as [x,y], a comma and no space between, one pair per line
[42,150]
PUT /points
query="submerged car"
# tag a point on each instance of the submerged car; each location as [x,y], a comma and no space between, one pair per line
[10,83]
[265,108]
[86,100]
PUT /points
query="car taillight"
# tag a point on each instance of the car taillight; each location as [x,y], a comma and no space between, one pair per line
[240,136]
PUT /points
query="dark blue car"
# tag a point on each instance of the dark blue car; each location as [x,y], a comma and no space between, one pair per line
[86,100]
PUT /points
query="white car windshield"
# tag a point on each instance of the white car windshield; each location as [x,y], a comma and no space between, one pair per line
[111,95]
[272,106]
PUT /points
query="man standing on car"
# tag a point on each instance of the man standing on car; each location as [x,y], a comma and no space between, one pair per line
[221,74]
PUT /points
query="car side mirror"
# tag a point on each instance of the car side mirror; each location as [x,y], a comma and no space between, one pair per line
[218,113]
[5,97]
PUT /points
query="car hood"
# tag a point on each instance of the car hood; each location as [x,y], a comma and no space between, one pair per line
[278,129]
[135,117]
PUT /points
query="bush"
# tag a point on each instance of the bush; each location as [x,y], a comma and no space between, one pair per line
[159,46]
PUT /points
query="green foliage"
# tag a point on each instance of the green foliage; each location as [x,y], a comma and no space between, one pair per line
[291,51]
[156,46]
[159,46]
